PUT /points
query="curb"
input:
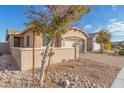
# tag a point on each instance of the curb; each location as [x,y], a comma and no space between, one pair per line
[119,81]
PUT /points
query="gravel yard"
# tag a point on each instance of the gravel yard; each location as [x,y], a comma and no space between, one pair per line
[99,74]
[71,74]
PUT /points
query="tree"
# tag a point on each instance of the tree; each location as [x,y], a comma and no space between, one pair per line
[52,23]
[104,37]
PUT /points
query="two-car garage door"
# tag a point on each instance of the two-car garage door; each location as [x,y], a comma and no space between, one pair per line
[70,42]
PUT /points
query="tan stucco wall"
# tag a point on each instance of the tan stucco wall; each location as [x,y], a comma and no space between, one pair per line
[11,42]
[16,53]
[30,34]
[37,39]
[23,56]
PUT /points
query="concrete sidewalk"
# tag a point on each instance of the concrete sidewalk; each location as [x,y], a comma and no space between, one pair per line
[119,81]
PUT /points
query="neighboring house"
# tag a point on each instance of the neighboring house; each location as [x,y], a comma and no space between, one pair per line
[91,42]
[21,44]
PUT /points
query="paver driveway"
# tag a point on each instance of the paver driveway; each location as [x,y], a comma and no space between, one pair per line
[105,58]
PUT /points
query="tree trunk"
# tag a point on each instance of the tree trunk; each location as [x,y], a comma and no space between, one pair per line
[42,71]
[102,47]
[49,60]
[33,55]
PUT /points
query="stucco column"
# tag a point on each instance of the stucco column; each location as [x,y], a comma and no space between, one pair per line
[38,40]
[11,42]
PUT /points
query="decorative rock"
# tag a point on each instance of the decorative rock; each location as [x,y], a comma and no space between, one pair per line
[5,71]
[71,81]
[66,83]
[98,86]
[19,79]
[76,78]
[93,84]
[104,86]
[72,87]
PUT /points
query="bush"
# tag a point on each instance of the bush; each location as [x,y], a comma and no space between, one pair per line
[121,52]
[107,46]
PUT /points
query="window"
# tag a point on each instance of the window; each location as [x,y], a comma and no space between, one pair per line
[27,41]
[16,41]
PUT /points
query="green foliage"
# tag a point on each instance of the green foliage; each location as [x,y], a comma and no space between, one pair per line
[108,46]
[121,52]
[56,20]
[104,37]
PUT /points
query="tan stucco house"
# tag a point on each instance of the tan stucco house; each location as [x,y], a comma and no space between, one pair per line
[21,44]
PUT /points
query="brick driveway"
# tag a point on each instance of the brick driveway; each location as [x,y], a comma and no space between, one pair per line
[104,58]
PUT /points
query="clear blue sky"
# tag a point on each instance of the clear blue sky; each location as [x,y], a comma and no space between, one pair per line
[111,17]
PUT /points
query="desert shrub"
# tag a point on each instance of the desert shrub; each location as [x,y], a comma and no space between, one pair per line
[121,52]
